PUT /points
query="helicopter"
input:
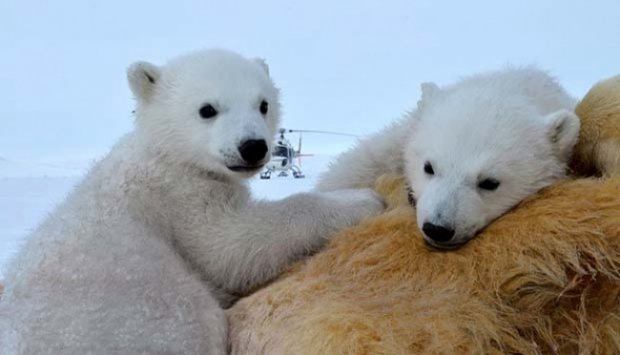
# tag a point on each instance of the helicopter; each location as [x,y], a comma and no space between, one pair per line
[282,158]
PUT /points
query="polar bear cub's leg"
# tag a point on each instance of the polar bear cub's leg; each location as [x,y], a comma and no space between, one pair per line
[135,296]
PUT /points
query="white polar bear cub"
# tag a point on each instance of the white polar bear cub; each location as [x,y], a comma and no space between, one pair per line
[162,233]
[471,151]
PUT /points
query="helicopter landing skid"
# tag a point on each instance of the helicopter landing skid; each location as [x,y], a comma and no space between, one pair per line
[297,174]
[266,175]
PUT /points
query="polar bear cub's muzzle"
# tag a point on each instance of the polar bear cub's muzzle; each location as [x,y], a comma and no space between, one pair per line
[253,152]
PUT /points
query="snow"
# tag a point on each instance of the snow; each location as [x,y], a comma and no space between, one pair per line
[29,190]
[24,202]
[33,168]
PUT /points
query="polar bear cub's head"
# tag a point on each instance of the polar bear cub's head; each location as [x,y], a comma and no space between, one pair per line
[212,109]
[473,155]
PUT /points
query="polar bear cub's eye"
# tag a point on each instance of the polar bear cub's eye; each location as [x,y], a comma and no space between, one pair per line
[264,107]
[488,184]
[208,111]
[428,168]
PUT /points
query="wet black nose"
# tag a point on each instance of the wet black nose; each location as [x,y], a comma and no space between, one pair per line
[437,233]
[253,151]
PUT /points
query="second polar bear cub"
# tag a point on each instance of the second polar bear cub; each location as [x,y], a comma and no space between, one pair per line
[471,150]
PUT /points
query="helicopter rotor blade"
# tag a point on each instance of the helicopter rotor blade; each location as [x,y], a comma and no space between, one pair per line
[321,132]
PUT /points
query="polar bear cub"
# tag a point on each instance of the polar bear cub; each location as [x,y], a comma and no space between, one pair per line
[163,233]
[471,151]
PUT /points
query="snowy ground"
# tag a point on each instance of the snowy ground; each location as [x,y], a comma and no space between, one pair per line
[30,190]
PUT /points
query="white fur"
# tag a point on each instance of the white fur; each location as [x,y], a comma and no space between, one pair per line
[516,126]
[160,235]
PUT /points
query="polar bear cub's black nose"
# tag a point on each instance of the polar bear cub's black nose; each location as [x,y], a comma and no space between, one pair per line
[253,150]
[437,233]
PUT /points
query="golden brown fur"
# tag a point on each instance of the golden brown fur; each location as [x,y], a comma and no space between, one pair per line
[544,278]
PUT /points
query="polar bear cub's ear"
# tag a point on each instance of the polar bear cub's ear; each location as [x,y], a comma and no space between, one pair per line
[263,64]
[563,131]
[142,78]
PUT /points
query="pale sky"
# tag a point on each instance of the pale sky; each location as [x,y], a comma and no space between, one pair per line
[342,65]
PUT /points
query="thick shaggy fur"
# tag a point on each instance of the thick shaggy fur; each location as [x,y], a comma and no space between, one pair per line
[544,278]
[163,232]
